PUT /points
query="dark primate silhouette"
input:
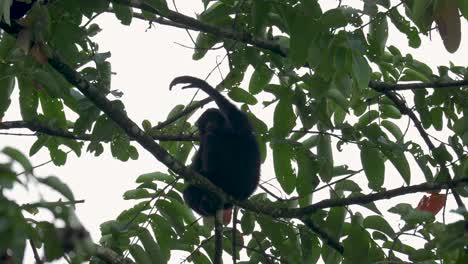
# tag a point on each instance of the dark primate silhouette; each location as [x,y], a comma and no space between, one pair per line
[228,155]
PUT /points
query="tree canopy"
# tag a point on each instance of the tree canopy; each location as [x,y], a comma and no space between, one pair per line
[335,89]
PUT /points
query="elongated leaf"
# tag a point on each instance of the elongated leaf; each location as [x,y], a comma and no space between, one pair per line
[151,247]
[401,164]
[20,158]
[284,119]
[361,71]
[325,154]
[141,257]
[7,83]
[28,98]
[242,96]
[57,184]
[282,157]
[260,78]
[373,165]
[379,223]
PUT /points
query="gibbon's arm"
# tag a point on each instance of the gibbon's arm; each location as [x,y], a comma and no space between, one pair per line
[236,117]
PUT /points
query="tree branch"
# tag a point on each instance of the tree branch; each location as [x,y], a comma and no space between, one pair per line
[326,238]
[42,128]
[194,24]
[384,87]
[218,249]
[109,256]
[360,199]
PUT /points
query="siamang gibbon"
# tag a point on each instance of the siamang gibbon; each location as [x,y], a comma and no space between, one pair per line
[19,9]
[228,154]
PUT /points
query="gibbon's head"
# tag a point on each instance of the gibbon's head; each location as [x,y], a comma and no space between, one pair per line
[211,121]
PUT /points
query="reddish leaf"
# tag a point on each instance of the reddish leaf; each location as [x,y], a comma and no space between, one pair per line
[432,203]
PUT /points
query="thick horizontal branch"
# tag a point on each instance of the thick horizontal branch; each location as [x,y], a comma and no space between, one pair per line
[383,87]
[38,127]
[361,199]
[194,24]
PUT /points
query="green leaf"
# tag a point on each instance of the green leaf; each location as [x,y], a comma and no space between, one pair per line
[20,158]
[347,185]
[335,222]
[203,44]
[57,184]
[400,162]
[307,169]
[405,27]
[28,98]
[159,5]
[170,212]
[393,129]
[373,165]
[379,223]
[367,118]
[139,254]
[137,194]
[437,118]
[7,83]
[247,222]
[52,244]
[36,146]
[48,82]
[59,157]
[260,9]
[216,11]
[334,18]
[164,235]
[361,71]
[338,97]
[412,75]
[155,176]
[260,78]
[242,96]
[53,110]
[284,119]
[378,34]
[441,154]
[282,156]
[119,146]
[123,13]
[463,5]
[151,247]
[357,243]
[302,34]
[412,216]
[390,111]
[325,157]
[310,246]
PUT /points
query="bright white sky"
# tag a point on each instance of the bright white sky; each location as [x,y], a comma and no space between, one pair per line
[145,61]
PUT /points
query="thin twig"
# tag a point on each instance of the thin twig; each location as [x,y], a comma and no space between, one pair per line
[36,254]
